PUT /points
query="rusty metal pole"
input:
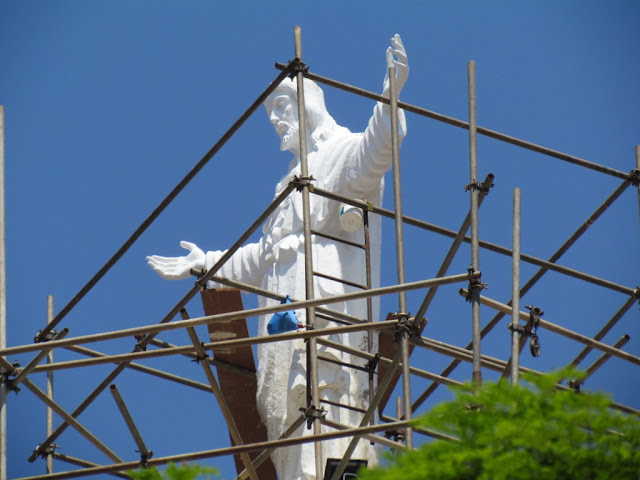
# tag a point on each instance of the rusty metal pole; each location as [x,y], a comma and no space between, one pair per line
[475,249]
[515,290]
[49,385]
[403,315]
[313,393]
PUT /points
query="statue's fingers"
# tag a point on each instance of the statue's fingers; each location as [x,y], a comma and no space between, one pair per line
[389,55]
[188,245]
[396,41]
[158,260]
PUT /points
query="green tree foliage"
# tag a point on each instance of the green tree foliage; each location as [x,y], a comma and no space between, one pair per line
[173,472]
[516,433]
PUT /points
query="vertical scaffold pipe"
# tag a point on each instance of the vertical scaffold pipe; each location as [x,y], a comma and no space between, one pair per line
[475,239]
[638,168]
[3,309]
[49,385]
[397,206]
[515,290]
[313,394]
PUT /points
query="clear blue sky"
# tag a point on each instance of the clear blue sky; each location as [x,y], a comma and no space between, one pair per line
[109,104]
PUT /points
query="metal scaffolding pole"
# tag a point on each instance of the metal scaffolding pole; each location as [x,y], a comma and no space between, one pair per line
[462,124]
[50,314]
[160,208]
[545,267]
[403,315]
[313,394]
[72,421]
[226,344]
[382,387]
[3,307]
[236,450]
[83,463]
[598,363]
[565,332]
[260,459]
[604,330]
[483,244]
[181,303]
[474,190]
[143,369]
[224,317]
[637,170]
[515,290]
[145,453]
[446,263]
[222,403]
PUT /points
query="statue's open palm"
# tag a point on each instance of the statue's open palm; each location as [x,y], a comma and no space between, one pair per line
[176,268]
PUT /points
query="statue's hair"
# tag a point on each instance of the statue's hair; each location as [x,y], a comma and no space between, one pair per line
[319,122]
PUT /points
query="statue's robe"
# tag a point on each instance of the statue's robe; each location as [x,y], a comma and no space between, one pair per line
[353,165]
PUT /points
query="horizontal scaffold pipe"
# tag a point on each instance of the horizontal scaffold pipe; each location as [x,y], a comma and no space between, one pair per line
[552,327]
[483,244]
[226,344]
[225,317]
[220,452]
[462,124]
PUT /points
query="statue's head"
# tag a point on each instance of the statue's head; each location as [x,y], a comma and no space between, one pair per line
[282,109]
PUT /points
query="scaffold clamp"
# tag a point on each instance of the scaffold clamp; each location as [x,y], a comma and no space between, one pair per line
[475,185]
[372,364]
[139,347]
[144,458]
[42,451]
[474,284]
[634,177]
[396,435]
[294,66]
[200,358]
[8,382]
[406,325]
[44,338]
[312,413]
[300,182]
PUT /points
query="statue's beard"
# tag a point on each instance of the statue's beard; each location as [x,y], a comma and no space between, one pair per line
[290,138]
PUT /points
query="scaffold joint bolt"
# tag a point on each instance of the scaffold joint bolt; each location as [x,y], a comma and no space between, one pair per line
[404,325]
[144,458]
[140,347]
[395,435]
[294,66]
[202,357]
[300,182]
[44,338]
[312,413]
[475,185]
[372,364]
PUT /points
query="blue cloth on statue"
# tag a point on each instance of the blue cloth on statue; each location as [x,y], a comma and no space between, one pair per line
[282,322]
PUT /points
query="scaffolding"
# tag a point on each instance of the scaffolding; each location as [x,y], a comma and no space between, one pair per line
[406,327]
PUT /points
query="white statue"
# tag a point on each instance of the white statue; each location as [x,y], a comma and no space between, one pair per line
[350,164]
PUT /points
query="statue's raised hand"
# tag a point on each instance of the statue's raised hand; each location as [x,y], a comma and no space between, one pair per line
[176,268]
[396,57]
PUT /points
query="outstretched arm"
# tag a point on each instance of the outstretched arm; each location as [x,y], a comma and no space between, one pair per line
[246,265]
[373,156]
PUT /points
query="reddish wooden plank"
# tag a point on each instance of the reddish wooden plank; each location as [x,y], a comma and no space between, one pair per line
[238,390]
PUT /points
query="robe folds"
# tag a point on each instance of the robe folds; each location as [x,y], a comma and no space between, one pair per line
[353,165]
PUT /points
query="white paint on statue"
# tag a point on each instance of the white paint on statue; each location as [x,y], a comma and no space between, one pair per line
[350,164]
